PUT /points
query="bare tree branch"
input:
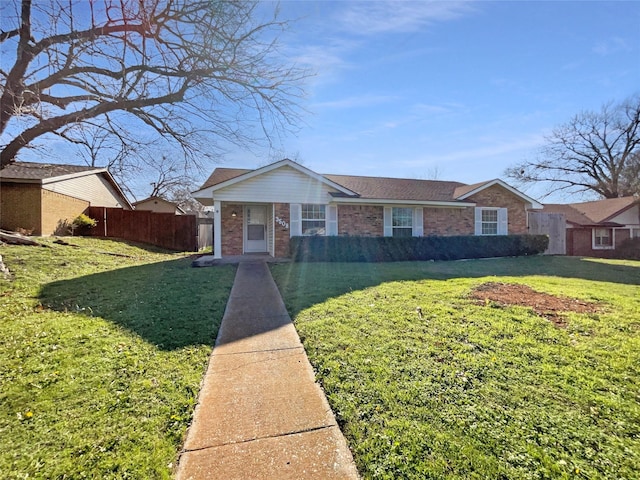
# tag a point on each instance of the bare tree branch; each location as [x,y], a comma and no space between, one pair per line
[185,71]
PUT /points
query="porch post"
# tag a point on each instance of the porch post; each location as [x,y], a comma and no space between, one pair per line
[217,229]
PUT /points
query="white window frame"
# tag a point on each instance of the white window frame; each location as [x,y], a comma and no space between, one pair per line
[396,227]
[502,223]
[599,246]
[296,219]
[314,209]
[417,222]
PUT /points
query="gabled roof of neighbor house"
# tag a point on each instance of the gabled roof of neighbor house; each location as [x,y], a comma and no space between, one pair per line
[364,188]
[153,198]
[597,212]
[44,173]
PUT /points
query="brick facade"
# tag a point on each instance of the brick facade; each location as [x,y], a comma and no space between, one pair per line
[368,220]
[282,233]
[39,211]
[496,196]
[232,228]
[361,220]
[448,221]
[58,211]
[580,242]
[20,207]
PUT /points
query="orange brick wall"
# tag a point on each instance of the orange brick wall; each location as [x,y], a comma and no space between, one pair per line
[20,207]
[282,234]
[58,211]
[232,243]
[496,196]
[361,220]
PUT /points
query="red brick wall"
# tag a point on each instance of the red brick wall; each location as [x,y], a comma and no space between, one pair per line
[282,234]
[580,241]
[497,196]
[448,221]
[361,220]
[232,242]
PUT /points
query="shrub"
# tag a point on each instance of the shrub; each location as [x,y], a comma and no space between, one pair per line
[389,249]
[628,249]
[82,222]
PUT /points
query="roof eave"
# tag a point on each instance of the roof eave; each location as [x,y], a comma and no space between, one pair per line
[387,201]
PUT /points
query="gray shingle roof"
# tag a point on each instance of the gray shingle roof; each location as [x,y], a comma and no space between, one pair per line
[40,171]
[592,213]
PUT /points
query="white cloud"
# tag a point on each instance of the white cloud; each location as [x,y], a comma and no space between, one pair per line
[390,16]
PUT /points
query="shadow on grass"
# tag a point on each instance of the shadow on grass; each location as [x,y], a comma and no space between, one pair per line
[303,285]
[169,304]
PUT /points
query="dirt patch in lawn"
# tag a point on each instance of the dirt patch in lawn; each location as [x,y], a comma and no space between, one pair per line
[544,304]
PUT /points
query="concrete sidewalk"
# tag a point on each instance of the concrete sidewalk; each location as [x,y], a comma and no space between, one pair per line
[260,413]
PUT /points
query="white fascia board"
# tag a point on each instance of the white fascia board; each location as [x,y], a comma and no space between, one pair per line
[497,181]
[74,175]
[273,166]
[426,203]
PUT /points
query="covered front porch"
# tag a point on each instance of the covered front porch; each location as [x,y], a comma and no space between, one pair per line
[250,228]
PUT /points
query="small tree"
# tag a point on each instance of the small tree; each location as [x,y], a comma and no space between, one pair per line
[594,151]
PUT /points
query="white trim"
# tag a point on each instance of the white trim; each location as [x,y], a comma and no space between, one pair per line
[502,227]
[497,181]
[417,226]
[603,247]
[272,251]
[295,220]
[410,203]
[331,219]
[217,229]
[388,222]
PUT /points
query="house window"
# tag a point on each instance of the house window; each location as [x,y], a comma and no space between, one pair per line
[489,222]
[602,238]
[635,233]
[402,221]
[313,219]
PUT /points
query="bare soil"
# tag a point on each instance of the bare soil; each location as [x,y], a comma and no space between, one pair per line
[548,306]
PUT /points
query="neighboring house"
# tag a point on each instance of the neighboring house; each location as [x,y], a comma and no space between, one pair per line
[159,205]
[595,228]
[44,198]
[259,210]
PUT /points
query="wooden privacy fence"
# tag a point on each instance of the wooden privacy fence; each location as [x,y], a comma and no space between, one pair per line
[555,226]
[166,230]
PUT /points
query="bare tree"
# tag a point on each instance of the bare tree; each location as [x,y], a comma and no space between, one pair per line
[124,76]
[595,152]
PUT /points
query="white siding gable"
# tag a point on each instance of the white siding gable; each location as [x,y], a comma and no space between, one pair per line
[628,217]
[93,188]
[282,185]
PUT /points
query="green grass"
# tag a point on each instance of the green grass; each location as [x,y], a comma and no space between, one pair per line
[475,390]
[101,357]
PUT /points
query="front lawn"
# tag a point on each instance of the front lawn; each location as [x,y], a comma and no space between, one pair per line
[472,386]
[102,349]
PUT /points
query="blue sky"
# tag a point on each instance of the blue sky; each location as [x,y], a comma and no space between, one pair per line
[449,90]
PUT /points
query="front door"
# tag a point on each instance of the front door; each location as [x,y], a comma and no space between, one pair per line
[255,229]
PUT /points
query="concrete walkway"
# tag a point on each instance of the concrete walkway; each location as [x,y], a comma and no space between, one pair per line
[260,413]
